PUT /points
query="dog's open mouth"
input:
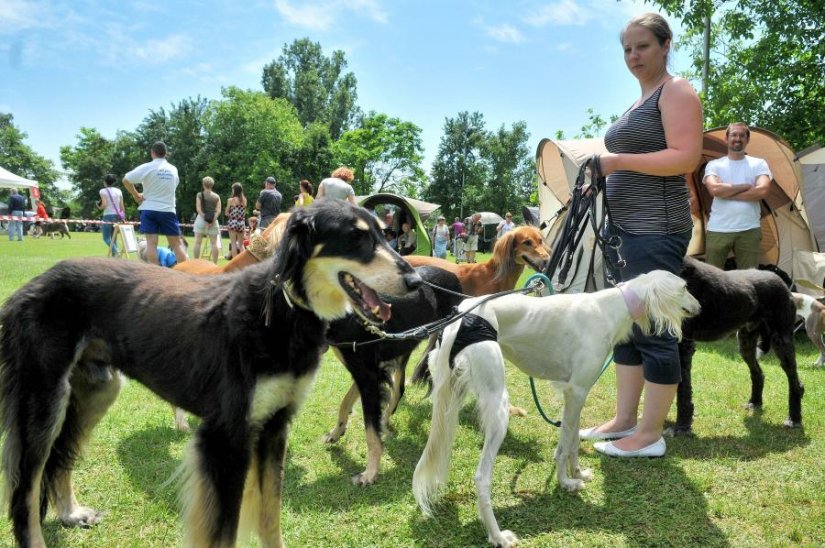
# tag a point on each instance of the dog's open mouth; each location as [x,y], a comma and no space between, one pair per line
[538,266]
[366,302]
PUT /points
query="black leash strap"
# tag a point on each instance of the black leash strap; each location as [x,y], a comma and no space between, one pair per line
[581,210]
[424,331]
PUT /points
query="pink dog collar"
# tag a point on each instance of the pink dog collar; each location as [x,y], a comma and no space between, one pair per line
[632,301]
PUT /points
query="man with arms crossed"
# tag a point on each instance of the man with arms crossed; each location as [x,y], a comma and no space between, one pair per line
[737,183]
[156,203]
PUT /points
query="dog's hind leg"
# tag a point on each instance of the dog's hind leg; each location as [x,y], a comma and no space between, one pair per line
[94,388]
[398,366]
[747,337]
[570,476]
[684,392]
[487,381]
[34,410]
[785,351]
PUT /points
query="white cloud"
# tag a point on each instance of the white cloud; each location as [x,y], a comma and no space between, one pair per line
[20,14]
[505,33]
[320,15]
[564,46]
[161,50]
[561,13]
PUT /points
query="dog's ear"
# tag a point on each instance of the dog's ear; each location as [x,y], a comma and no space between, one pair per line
[505,252]
[294,249]
[662,296]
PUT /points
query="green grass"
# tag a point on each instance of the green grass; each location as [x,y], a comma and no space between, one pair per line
[743,480]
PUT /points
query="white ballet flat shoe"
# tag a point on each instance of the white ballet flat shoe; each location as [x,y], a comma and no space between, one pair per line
[655,449]
[591,434]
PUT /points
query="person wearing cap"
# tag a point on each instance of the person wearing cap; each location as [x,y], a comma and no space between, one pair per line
[269,202]
[338,185]
[441,237]
[156,203]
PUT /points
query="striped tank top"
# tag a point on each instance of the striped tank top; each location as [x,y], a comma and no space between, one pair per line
[641,203]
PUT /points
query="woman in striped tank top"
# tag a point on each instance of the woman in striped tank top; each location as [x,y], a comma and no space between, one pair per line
[651,147]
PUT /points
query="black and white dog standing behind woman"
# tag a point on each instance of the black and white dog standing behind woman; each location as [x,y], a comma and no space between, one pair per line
[241,352]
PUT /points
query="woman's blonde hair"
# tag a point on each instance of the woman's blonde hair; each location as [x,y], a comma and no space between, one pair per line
[208,182]
[344,173]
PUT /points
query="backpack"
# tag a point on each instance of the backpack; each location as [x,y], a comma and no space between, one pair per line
[208,213]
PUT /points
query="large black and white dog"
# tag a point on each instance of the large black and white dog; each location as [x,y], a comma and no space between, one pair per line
[216,352]
[378,369]
[751,303]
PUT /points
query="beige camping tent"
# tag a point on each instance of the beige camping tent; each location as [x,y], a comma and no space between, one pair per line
[784,222]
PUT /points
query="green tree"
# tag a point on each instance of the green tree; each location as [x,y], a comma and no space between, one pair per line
[385,153]
[314,84]
[22,160]
[86,163]
[459,172]
[766,66]
[250,137]
[314,159]
[512,170]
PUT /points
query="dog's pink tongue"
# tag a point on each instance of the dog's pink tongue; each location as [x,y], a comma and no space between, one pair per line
[372,300]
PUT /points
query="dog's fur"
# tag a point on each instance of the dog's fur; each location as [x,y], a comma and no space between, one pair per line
[243,360]
[562,338]
[378,369]
[522,246]
[271,236]
[812,313]
[54,228]
[751,303]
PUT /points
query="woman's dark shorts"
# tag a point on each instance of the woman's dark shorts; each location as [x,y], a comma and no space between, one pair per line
[658,354]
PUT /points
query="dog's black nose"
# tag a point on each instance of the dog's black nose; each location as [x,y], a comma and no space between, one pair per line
[412,280]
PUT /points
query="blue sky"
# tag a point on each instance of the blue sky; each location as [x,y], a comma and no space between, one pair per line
[102,64]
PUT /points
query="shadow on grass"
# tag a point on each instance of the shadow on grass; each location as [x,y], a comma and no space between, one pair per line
[147,461]
[639,502]
[759,440]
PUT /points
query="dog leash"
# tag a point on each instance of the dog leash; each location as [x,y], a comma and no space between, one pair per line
[582,207]
[424,331]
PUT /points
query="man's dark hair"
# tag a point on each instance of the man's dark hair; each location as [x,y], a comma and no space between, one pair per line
[109,179]
[739,124]
[159,148]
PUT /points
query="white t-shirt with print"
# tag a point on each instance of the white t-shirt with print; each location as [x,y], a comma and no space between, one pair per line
[736,215]
[159,179]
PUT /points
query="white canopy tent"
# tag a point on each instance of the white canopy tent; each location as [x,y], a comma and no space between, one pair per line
[10,180]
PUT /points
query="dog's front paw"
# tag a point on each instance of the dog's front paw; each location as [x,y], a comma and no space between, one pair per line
[505,539]
[584,474]
[334,435]
[753,406]
[364,478]
[789,423]
[573,485]
[81,516]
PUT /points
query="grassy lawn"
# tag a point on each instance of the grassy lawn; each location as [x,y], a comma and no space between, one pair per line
[743,480]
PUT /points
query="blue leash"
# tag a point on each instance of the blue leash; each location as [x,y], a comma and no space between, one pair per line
[548,284]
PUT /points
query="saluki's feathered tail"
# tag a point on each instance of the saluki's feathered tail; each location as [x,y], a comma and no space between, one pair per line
[448,393]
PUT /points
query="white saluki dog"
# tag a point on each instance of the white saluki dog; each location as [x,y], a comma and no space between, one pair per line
[564,339]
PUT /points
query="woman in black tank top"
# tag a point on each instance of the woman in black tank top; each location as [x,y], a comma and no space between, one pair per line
[651,147]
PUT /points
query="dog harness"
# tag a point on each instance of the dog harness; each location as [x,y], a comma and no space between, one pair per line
[473,329]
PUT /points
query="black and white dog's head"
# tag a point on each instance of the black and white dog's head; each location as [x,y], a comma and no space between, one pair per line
[334,259]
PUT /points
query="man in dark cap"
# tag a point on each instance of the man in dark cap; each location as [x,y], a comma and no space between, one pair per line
[269,202]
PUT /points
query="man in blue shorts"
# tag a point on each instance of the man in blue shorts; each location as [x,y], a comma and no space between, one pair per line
[156,203]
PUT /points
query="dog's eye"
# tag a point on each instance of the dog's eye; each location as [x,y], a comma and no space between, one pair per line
[527,243]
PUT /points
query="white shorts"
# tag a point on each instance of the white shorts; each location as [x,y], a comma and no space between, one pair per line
[208,230]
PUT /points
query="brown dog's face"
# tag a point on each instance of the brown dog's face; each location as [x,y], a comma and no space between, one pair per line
[529,248]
